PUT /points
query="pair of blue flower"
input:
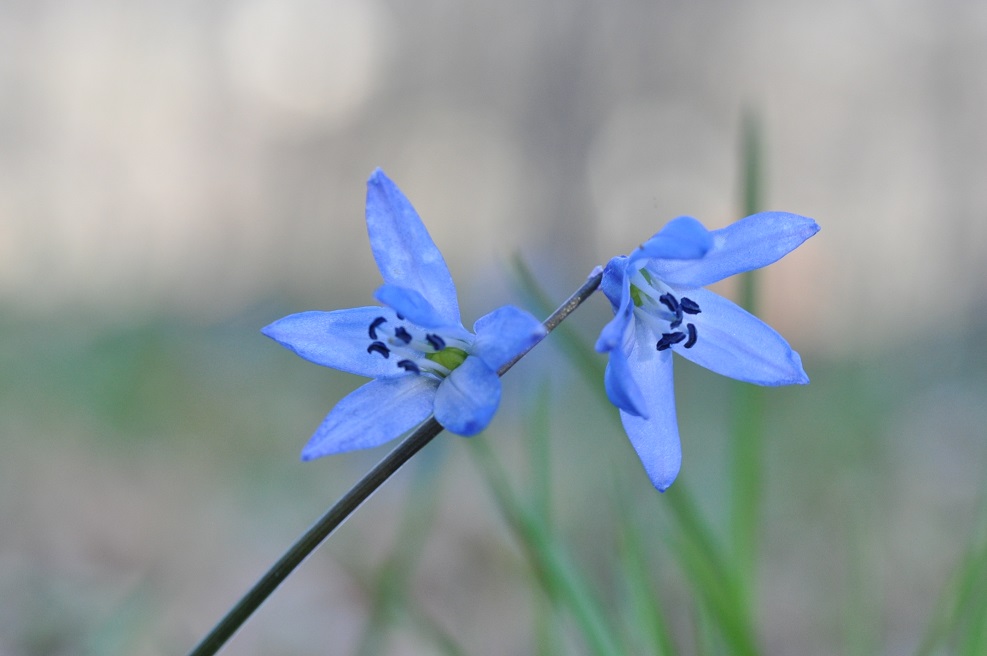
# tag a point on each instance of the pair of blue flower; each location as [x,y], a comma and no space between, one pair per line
[423,360]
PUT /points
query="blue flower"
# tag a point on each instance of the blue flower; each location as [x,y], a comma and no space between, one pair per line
[421,358]
[660,307]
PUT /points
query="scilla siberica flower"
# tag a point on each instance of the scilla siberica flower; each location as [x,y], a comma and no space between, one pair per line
[660,307]
[416,349]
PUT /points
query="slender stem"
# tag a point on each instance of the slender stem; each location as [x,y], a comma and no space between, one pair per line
[350,501]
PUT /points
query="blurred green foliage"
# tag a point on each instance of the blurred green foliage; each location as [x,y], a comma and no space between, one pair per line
[871,477]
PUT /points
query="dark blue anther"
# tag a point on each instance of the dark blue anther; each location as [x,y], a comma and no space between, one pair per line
[402,334]
[408,365]
[693,335]
[669,339]
[379,347]
[374,325]
[673,306]
[435,341]
[689,306]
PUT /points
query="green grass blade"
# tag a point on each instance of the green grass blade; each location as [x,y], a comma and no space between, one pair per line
[962,595]
[747,446]
[646,612]
[558,575]
[539,457]
[712,579]
[547,641]
[388,590]
[703,560]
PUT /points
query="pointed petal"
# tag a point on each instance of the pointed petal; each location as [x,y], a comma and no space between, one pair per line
[505,333]
[683,238]
[655,435]
[405,253]
[657,445]
[617,288]
[468,398]
[732,342]
[613,282]
[373,414]
[622,389]
[619,338]
[337,339]
[750,243]
[415,308]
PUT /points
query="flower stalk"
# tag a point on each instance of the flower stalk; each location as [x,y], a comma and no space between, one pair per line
[349,502]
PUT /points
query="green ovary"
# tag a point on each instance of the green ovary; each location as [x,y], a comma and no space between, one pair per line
[636,296]
[450,357]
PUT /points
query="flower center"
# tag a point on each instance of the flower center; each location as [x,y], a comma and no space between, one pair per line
[654,301]
[450,357]
[415,351]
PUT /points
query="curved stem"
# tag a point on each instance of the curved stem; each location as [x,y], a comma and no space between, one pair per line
[350,501]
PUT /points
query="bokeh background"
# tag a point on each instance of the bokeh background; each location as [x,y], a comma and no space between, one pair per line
[175,175]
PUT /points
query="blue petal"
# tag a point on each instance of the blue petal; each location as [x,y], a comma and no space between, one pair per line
[337,339]
[415,308]
[617,288]
[373,414]
[468,398]
[654,436]
[622,389]
[614,283]
[750,243]
[405,253]
[732,342]
[505,333]
[683,238]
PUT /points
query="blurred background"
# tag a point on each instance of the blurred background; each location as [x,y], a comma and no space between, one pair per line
[176,175]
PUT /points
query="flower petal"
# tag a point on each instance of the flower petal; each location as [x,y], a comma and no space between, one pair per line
[616,287]
[405,253]
[337,339]
[747,244]
[415,308]
[655,434]
[683,238]
[468,398]
[619,338]
[622,389]
[613,281]
[504,333]
[373,414]
[732,342]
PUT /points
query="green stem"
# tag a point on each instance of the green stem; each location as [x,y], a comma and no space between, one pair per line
[352,500]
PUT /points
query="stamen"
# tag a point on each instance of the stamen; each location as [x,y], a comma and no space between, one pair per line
[689,306]
[693,335]
[374,325]
[670,339]
[402,334]
[435,341]
[674,307]
[408,365]
[379,347]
